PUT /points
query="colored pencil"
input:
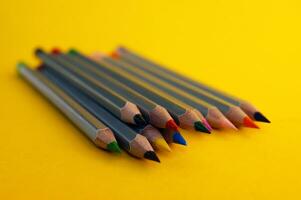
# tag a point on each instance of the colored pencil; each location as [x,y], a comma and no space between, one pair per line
[95,130]
[185,83]
[136,144]
[232,112]
[117,105]
[152,112]
[184,117]
[120,72]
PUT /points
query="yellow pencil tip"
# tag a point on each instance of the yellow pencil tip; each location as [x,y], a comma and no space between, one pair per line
[161,144]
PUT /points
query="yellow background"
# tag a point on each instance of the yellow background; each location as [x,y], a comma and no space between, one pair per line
[248,48]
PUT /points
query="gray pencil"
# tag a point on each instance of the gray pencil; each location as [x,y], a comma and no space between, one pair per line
[119,106]
[152,112]
[136,144]
[184,82]
[94,129]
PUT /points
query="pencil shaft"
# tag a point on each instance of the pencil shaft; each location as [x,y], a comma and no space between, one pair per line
[113,102]
[77,114]
[123,134]
[146,106]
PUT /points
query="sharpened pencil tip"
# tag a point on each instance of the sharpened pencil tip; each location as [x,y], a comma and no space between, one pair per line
[178,138]
[205,122]
[139,120]
[249,123]
[113,146]
[199,126]
[161,144]
[38,51]
[258,116]
[72,52]
[56,51]
[150,155]
[171,124]
[20,65]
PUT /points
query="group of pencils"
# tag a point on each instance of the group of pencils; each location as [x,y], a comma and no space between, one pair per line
[123,100]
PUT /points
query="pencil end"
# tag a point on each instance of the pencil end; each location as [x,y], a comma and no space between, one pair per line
[161,144]
[258,116]
[20,65]
[56,51]
[179,139]
[72,51]
[171,124]
[139,120]
[249,123]
[38,51]
[199,126]
[151,155]
[113,147]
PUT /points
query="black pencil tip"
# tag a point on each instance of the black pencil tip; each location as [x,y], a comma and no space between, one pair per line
[38,51]
[200,127]
[151,156]
[258,116]
[139,120]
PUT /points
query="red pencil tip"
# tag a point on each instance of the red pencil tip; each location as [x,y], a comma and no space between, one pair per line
[56,51]
[171,124]
[115,55]
[249,123]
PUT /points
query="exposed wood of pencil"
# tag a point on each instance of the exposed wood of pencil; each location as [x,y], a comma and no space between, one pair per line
[124,69]
[120,107]
[162,72]
[95,130]
[156,114]
[134,143]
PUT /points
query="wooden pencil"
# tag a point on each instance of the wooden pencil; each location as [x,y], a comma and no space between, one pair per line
[186,118]
[136,144]
[152,112]
[117,105]
[179,80]
[122,73]
[232,112]
[95,130]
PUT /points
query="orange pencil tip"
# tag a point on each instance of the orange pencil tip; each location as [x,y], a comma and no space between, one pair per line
[55,51]
[115,55]
[249,123]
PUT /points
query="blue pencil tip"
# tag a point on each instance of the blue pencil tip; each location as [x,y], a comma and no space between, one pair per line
[178,138]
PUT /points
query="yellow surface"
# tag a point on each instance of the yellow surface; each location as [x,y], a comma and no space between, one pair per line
[249,48]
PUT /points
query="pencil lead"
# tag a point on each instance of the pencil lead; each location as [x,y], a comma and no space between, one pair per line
[113,146]
[21,65]
[171,124]
[151,155]
[258,116]
[139,120]
[249,123]
[38,51]
[56,51]
[115,54]
[72,52]
[200,127]
[178,138]
[161,144]
[207,125]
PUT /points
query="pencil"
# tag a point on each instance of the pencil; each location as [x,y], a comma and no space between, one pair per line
[184,117]
[136,144]
[232,112]
[117,105]
[152,112]
[95,130]
[184,82]
[122,73]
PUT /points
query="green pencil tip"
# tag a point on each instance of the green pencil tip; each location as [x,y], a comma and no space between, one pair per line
[113,146]
[199,126]
[72,52]
[20,65]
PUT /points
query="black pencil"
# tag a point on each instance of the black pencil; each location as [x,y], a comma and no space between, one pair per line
[186,83]
[117,105]
[94,129]
[136,144]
